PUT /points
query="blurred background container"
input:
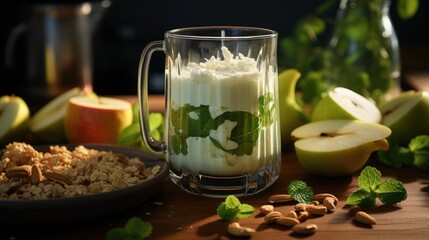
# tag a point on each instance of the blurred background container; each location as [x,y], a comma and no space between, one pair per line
[128,25]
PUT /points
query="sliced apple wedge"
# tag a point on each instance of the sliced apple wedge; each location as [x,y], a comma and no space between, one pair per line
[407,115]
[14,119]
[48,123]
[342,103]
[291,113]
[338,147]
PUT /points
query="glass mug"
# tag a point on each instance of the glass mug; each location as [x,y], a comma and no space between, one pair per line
[222,131]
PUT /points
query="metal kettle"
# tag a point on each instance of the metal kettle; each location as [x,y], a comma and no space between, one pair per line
[59,47]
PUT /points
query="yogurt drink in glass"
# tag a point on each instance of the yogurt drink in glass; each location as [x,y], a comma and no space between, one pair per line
[222,131]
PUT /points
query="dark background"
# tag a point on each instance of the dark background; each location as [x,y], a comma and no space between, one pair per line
[128,25]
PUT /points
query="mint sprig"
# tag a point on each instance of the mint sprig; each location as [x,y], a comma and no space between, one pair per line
[300,191]
[232,208]
[416,154]
[372,187]
[134,229]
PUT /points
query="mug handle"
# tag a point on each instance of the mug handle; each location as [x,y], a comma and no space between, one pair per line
[152,144]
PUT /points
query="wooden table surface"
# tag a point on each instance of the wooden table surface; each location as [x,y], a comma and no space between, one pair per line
[176,214]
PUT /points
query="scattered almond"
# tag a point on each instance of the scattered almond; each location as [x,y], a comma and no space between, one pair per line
[237,230]
[329,203]
[265,209]
[292,214]
[300,207]
[365,218]
[287,221]
[280,198]
[303,216]
[273,216]
[321,196]
[316,210]
[304,228]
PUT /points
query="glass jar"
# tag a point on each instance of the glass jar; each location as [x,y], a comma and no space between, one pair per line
[363,52]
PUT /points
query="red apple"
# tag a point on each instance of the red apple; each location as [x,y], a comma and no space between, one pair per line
[96,120]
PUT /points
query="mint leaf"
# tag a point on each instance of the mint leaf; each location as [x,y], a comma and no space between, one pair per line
[372,187]
[420,147]
[391,192]
[357,197]
[225,212]
[396,157]
[245,210]
[233,208]
[300,191]
[419,143]
[135,229]
[416,154]
[421,159]
[190,121]
[369,178]
[228,209]
[232,201]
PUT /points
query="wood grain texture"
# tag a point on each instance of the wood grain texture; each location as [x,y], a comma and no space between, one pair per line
[176,214]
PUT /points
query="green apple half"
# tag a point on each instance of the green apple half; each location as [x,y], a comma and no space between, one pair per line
[338,147]
[14,119]
[291,114]
[407,115]
[343,103]
[48,123]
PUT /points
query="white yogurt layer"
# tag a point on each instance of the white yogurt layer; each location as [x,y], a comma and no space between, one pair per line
[232,84]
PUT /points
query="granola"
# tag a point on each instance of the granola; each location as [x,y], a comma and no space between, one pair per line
[64,173]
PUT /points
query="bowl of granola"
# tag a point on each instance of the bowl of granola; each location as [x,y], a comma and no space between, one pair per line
[45,184]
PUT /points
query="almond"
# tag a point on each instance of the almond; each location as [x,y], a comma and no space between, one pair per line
[292,214]
[58,177]
[304,228]
[365,218]
[287,221]
[280,198]
[273,216]
[321,196]
[265,209]
[300,207]
[237,230]
[36,175]
[329,203]
[19,171]
[316,210]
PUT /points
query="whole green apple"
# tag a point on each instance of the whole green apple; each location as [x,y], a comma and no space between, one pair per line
[14,119]
[342,103]
[407,115]
[292,114]
[338,147]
